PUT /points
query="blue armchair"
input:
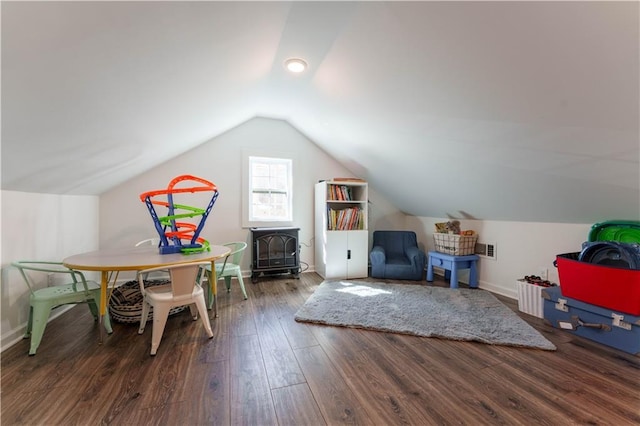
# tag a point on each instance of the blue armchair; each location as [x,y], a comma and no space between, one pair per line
[395,255]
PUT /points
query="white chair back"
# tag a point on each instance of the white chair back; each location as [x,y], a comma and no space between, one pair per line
[183,280]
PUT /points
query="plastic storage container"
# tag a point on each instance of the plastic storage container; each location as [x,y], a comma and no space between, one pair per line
[605,286]
[530,298]
[616,230]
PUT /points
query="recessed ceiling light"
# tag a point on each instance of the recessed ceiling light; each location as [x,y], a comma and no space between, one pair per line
[296,65]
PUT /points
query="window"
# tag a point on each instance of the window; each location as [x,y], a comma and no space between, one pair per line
[269,192]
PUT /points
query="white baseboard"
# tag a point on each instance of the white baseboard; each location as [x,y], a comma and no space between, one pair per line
[485,285]
[493,288]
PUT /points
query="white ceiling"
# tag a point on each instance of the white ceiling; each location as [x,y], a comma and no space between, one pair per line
[525,111]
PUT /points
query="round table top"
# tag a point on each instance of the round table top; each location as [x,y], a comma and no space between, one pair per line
[137,258]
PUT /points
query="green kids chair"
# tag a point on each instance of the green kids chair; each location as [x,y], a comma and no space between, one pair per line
[230,268]
[43,300]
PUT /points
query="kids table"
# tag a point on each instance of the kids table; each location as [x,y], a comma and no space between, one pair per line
[135,259]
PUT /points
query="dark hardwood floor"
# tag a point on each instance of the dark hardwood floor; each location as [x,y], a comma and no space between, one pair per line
[263,368]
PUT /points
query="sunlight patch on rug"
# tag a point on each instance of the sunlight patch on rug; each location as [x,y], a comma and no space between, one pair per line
[420,310]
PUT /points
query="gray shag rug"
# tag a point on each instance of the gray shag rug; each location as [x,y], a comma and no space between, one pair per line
[420,310]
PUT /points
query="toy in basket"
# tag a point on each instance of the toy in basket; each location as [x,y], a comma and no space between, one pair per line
[449,239]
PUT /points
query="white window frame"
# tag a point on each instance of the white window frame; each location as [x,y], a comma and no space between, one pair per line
[248,221]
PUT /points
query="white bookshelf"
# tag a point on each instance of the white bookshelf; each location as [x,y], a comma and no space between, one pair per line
[341,229]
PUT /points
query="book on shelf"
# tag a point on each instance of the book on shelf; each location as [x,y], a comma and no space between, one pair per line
[345,219]
[340,193]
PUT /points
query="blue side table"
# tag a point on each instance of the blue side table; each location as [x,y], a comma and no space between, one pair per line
[451,264]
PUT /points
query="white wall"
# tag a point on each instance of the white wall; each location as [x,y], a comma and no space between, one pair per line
[522,248]
[124,219]
[39,227]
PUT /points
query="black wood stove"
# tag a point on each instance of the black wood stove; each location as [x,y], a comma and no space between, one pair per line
[275,251]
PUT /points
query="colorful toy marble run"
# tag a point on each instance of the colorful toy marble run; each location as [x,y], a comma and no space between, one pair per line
[177,236]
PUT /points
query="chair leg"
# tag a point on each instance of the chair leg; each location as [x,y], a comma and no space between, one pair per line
[202,308]
[241,282]
[27,333]
[160,315]
[94,308]
[144,316]
[209,298]
[227,282]
[41,313]
[194,311]
[107,322]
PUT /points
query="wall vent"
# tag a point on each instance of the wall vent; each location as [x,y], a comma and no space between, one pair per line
[486,250]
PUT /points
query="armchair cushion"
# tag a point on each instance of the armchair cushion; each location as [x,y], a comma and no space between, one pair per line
[396,255]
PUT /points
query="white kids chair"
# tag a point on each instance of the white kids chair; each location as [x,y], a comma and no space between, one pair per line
[183,290]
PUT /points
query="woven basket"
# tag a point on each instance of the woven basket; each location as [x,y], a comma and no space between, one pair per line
[454,244]
[125,304]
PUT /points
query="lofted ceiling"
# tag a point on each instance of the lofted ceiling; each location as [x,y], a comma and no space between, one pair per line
[520,111]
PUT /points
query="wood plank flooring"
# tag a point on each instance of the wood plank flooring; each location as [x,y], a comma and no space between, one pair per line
[263,368]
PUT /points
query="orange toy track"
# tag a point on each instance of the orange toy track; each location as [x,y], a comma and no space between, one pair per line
[176,237]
